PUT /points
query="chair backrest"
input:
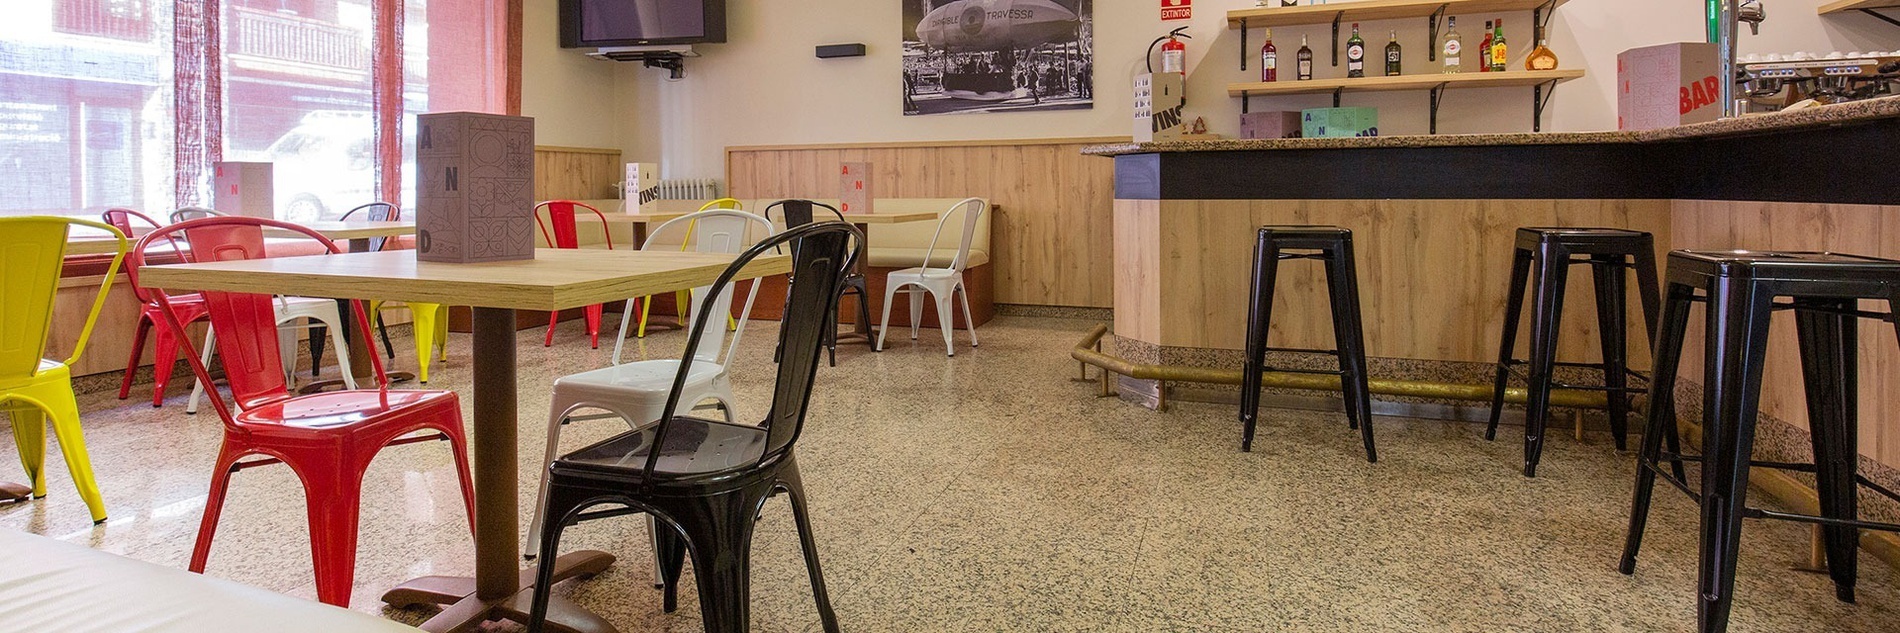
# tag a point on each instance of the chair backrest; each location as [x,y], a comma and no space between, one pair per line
[973,209]
[560,230]
[817,269]
[246,322]
[121,219]
[725,231]
[32,254]
[375,212]
[799,212]
[193,213]
[723,203]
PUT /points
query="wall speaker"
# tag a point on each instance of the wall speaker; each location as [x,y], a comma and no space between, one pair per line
[829,51]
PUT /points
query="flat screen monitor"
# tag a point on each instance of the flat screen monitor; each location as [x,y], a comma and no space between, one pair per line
[596,23]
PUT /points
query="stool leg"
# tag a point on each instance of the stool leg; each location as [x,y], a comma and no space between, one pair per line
[1266,265]
[1829,368]
[1661,421]
[1613,323]
[1650,289]
[1513,312]
[1342,280]
[1737,349]
[1551,268]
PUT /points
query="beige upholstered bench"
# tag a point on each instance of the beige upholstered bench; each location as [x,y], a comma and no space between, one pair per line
[49,585]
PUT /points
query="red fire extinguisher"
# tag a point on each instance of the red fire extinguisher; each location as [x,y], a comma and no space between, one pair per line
[1173,52]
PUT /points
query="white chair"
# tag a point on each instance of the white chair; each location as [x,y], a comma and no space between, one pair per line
[943,284]
[321,312]
[636,392]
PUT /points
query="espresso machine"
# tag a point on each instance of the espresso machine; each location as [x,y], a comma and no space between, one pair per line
[1773,82]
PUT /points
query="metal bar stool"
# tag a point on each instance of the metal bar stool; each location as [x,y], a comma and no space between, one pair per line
[1740,288]
[1546,254]
[1333,246]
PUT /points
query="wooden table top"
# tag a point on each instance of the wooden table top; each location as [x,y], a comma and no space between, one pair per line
[663,217]
[553,280]
[352,230]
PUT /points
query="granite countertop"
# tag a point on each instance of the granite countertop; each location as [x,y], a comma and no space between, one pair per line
[1838,114]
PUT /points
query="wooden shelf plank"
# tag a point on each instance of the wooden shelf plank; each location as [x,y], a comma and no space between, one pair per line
[1842,6]
[1369,10]
[1404,82]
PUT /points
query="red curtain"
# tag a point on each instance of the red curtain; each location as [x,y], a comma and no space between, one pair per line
[386,92]
[197,97]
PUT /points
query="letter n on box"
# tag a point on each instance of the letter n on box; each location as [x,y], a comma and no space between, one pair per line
[474,187]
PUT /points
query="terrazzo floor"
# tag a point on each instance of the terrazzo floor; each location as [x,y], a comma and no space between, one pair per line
[991,492]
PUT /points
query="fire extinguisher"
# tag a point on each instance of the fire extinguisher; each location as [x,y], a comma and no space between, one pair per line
[1173,52]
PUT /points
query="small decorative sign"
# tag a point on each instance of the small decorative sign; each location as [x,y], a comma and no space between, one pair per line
[239,188]
[1177,9]
[641,190]
[474,187]
[854,181]
[1158,105]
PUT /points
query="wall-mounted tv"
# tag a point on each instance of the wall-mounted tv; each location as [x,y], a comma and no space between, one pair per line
[597,23]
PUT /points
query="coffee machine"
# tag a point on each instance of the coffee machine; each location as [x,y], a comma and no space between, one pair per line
[1772,82]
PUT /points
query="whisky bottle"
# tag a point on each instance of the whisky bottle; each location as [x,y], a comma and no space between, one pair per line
[1305,60]
[1355,54]
[1484,49]
[1452,47]
[1499,51]
[1542,58]
[1269,60]
[1392,57]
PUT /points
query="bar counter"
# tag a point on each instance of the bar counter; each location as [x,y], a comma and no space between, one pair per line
[1433,220]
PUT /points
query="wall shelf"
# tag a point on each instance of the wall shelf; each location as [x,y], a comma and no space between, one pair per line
[1842,6]
[1369,10]
[1542,83]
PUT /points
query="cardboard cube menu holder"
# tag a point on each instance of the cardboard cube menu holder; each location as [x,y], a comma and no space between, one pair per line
[1278,124]
[1668,85]
[239,188]
[854,188]
[474,187]
[641,189]
[1159,98]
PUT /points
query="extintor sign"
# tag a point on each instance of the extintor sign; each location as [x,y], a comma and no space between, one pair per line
[1177,9]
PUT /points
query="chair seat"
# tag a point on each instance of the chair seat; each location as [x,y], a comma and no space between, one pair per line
[921,274]
[694,446]
[902,257]
[49,369]
[649,377]
[343,410]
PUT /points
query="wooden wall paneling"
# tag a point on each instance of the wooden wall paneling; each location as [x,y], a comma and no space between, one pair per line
[576,173]
[1138,287]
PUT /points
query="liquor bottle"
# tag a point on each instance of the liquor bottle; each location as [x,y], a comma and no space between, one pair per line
[1355,54]
[1500,53]
[1452,47]
[1305,60]
[1542,58]
[1392,57]
[1269,60]
[1484,49]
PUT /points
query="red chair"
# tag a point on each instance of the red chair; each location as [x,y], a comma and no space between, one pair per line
[189,307]
[328,439]
[560,232]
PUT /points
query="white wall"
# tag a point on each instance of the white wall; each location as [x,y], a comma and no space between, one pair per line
[766,87]
[574,99]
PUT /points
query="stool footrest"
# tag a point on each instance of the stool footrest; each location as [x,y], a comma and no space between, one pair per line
[1316,372]
[1758,513]
[1302,350]
[1865,314]
[1513,368]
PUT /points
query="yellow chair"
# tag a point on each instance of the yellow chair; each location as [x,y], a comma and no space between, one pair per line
[430,321]
[32,388]
[685,297]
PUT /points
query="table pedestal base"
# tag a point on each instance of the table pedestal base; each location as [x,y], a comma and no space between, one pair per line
[464,611]
[13,493]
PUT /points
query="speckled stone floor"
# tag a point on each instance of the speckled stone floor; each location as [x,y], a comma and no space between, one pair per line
[989,492]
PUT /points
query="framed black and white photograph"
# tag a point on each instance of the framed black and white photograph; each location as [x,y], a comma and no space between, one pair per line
[964,56]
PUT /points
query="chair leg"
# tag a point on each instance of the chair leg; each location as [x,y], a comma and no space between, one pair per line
[343,353]
[29,436]
[1829,364]
[1266,270]
[884,326]
[165,345]
[553,319]
[1613,336]
[946,324]
[1507,345]
[1349,336]
[669,553]
[533,541]
[198,386]
[287,351]
[646,309]
[382,328]
[214,505]
[593,314]
[1551,270]
[334,499]
[626,319]
[422,321]
[559,505]
[916,310]
[318,334]
[795,491]
[63,411]
[968,321]
[1660,423]
[463,473]
[720,531]
[138,352]
[1738,332]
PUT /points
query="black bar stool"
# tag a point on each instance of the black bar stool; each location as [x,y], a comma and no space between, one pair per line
[1333,246]
[1740,288]
[1546,254]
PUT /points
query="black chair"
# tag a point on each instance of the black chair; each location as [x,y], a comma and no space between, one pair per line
[1545,255]
[708,479]
[1740,288]
[799,213]
[372,212]
[1333,246]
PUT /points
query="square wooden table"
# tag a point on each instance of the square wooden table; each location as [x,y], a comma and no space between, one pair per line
[553,280]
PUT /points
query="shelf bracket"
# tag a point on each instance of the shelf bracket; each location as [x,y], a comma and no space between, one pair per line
[1336,93]
[1246,99]
[1881,16]
[1438,94]
[1431,25]
[1540,97]
[1540,21]
[1336,16]
[1243,43]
